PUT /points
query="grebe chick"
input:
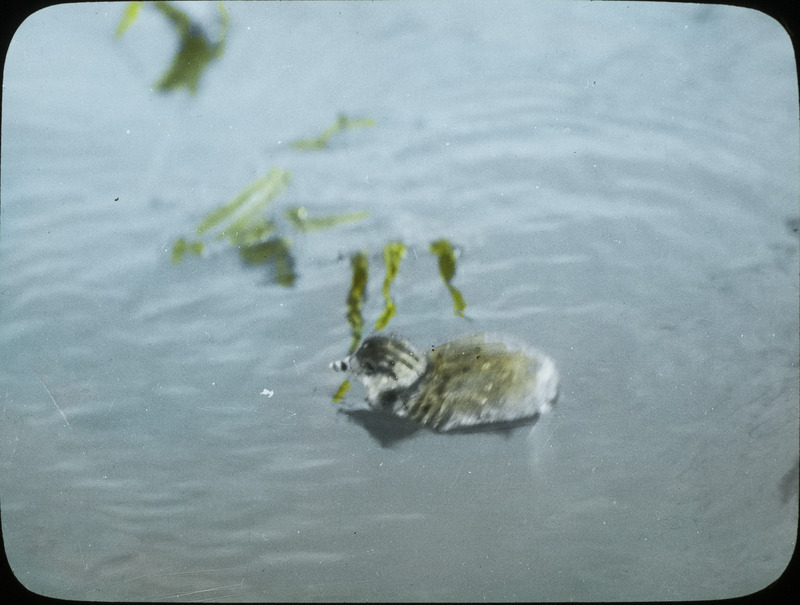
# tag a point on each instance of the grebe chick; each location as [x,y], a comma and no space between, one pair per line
[464,383]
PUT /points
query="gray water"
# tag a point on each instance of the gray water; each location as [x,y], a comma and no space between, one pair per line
[621,181]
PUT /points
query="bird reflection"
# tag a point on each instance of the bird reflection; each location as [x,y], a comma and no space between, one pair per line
[388,430]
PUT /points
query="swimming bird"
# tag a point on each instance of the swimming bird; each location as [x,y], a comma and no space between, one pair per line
[465,383]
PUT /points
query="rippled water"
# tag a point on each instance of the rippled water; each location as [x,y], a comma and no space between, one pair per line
[621,181]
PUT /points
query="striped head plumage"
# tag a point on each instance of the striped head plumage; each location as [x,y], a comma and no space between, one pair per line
[388,367]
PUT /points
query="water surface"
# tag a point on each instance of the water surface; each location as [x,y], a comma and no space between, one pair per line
[621,182]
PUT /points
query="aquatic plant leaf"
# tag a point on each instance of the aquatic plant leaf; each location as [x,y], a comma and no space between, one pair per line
[275,250]
[180,20]
[195,50]
[359,264]
[284,270]
[129,15]
[299,219]
[447,258]
[321,142]
[182,247]
[447,269]
[341,391]
[223,212]
[255,231]
[459,304]
[393,253]
[266,188]
[248,229]
[261,198]
[310,144]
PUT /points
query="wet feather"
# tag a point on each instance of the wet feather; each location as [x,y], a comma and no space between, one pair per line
[468,382]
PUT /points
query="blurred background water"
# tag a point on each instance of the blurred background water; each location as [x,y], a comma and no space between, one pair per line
[622,183]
